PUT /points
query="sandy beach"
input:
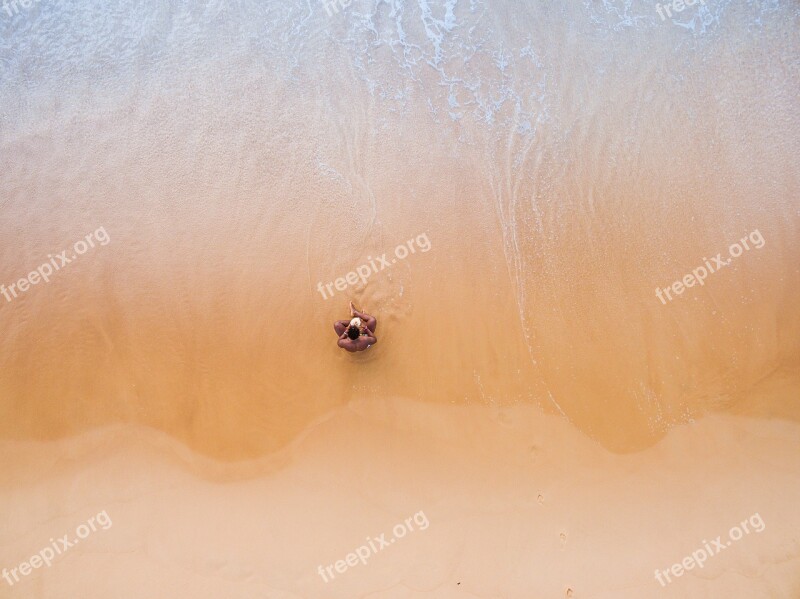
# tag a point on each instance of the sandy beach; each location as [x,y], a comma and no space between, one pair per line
[577,223]
[510,504]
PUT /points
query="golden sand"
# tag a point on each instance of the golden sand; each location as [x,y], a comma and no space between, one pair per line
[566,432]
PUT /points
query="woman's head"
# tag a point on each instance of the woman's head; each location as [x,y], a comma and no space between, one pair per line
[354,330]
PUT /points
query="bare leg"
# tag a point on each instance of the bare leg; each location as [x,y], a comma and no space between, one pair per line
[370,321]
[340,326]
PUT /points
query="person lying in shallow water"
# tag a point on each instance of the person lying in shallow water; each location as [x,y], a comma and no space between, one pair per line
[358,333]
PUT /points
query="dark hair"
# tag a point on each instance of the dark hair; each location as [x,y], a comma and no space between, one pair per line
[353,333]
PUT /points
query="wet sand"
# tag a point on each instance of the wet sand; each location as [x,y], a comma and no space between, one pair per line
[562,162]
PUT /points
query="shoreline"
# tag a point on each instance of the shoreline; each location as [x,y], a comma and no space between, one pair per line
[533,490]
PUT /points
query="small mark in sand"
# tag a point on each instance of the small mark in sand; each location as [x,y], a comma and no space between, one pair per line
[394,260]
[729,543]
[569,592]
[540,499]
[563,537]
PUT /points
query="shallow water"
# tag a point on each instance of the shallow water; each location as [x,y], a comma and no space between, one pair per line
[562,160]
